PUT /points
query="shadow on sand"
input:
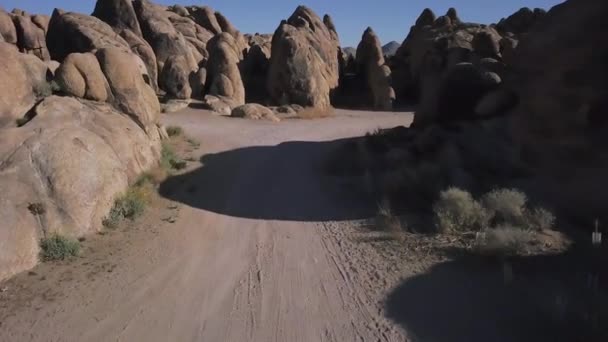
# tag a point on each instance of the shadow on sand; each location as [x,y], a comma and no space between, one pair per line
[288,182]
[466,299]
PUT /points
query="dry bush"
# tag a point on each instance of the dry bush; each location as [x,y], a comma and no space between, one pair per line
[540,219]
[457,210]
[387,221]
[506,206]
[503,241]
[315,113]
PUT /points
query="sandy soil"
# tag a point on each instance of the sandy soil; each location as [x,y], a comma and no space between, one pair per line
[252,243]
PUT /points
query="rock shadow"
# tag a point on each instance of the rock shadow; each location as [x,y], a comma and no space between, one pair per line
[287,182]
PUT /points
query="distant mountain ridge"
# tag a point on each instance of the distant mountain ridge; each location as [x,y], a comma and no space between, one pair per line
[390,49]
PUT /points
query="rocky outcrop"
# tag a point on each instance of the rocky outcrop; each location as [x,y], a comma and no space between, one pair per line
[87,34]
[255,66]
[142,49]
[521,21]
[304,61]
[31,34]
[80,75]
[370,62]
[24,82]
[223,74]
[162,36]
[119,14]
[430,51]
[175,78]
[254,111]
[69,162]
[131,94]
[7,28]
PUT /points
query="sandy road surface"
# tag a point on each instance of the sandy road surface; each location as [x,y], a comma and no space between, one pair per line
[252,256]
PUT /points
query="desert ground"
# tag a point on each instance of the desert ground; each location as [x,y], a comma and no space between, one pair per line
[257,250]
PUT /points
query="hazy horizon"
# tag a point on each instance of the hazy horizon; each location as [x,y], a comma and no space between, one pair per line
[390,19]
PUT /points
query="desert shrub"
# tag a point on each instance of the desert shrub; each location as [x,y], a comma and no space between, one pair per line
[174,131]
[503,241]
[457,210]
[169,159]
[506,206]
[386,220]
[57,247]
[131,205]
[36,209]
[539,219]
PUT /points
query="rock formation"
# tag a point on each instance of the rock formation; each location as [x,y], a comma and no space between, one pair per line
[377,75]
[23,83]
[304,61]
[424,63]
[224,80]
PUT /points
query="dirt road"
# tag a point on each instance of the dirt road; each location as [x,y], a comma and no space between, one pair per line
[254,250]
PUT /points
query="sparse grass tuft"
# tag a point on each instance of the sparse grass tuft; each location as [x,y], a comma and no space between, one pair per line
[174,131]
[457,210]
[387,221]
[57,247]
[169,159]
[130,206]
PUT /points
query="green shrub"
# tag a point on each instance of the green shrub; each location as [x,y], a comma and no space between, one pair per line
[457,210]
[174,131]
[506,206]
[45,89]
[130,206]
[57,247]
[169,159]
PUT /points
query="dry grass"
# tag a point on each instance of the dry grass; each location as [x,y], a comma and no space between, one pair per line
[457,210]
[310,113]
[503,241]
[388,222]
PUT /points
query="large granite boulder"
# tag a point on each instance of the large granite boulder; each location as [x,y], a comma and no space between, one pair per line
[61,173]
[24,82]
[80,75]
[433,48]
[223,74]
[86,34]
[31,34]
[119,14]
[371,64]
[131,94]
[304,61]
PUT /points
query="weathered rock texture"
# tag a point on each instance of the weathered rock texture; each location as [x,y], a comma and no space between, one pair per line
[377,75]
[304,61]
[86,34]
[23,81]
[223,74]
[80,75]
[70,162]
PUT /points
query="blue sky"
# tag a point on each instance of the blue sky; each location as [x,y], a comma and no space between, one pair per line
[391,19]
